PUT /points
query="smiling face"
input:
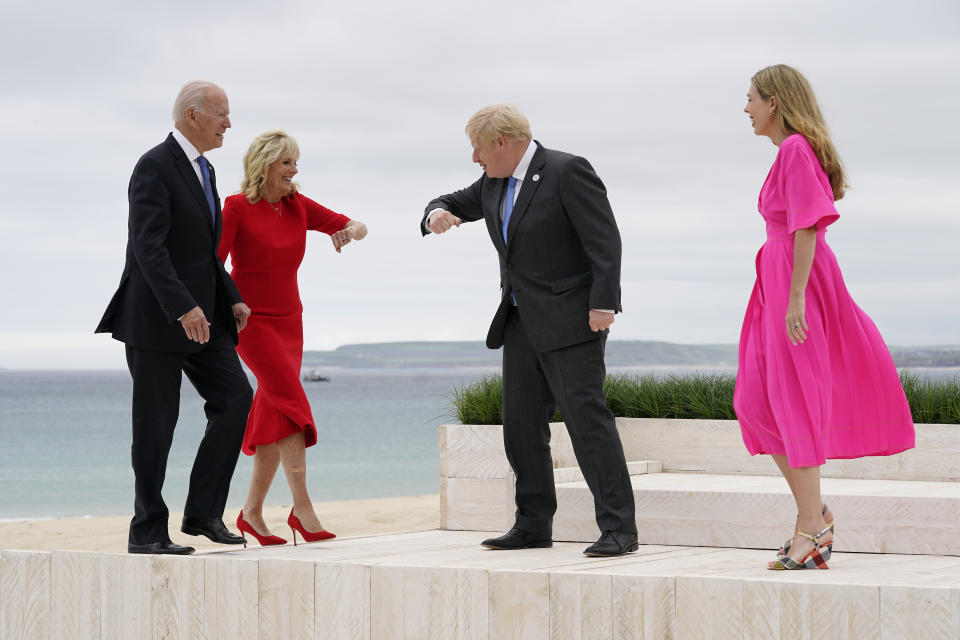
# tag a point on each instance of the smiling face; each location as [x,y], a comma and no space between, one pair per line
[208,124]
[280,178]
[499,157]
[761,113]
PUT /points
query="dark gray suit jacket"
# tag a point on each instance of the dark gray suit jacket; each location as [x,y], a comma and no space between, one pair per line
[171,265]
[563,253]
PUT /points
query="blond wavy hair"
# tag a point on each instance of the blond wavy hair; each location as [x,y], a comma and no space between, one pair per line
[498,120]
[266,148]
[797,111]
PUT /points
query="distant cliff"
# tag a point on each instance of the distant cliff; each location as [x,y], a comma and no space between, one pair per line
[926,356]
[620,353]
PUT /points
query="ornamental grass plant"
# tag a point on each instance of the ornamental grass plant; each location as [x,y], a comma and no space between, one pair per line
[698,396]
[480,402]
[932,401]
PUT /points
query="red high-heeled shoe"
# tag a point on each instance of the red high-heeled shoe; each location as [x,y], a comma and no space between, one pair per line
[265,541]
[308,536]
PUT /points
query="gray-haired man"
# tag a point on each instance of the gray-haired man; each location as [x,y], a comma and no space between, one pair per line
[178,311]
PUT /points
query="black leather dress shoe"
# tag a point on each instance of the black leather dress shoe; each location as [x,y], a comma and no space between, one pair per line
[213,528]
[162,547]
[613,543]
[517,539]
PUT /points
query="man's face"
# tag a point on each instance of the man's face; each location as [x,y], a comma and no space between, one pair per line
[210,122]
[494,157]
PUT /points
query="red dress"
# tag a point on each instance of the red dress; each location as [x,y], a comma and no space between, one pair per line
[266,249]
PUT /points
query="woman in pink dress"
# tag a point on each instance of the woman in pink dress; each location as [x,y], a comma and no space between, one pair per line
[815,379]
[265,233]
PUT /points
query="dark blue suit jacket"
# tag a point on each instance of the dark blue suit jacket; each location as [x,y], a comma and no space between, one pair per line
[563,252]
[171,264]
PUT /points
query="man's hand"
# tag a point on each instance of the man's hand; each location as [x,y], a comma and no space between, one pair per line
[195,325]
[442,221]
[600,320]
[241,313]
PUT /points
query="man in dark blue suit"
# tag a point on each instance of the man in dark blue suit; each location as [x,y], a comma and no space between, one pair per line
[178,311]
[559,247]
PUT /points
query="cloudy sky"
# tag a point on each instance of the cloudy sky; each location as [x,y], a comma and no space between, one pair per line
[377,94]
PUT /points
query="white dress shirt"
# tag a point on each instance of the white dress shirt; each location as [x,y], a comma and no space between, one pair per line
[191,151]
[521,172]
[192,155]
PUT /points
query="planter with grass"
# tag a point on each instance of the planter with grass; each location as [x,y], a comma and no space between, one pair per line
[696,484]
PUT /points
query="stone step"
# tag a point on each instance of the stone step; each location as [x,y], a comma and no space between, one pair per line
[635,468]
[744,511]
[476,483]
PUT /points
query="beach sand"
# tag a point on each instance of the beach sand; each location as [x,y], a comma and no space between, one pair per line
[109,533]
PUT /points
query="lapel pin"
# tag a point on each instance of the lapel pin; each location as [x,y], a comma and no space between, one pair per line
[535,177]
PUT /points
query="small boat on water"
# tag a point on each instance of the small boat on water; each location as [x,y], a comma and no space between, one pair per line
[312,375]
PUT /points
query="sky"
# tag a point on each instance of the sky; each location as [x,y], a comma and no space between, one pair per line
[377,95]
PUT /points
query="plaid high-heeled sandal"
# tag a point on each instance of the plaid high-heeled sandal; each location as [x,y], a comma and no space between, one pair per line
[785,549]
[816,559]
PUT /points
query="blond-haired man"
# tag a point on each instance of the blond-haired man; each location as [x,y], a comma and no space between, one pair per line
[549,218]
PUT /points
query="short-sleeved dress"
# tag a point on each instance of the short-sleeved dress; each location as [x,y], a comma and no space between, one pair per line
[266,249]
[837,394]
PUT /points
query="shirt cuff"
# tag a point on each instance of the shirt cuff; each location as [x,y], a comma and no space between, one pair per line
[426,222]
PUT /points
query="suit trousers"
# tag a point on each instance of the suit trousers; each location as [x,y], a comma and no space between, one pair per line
[216,374]
[534,384]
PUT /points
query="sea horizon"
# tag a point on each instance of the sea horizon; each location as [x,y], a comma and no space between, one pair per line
[68,432]
[434,354]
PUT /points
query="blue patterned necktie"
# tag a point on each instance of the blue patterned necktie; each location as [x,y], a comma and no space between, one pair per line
[207,188]
[508,205]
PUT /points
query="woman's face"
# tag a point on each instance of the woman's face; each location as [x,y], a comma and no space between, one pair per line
[760,112]
[279,176]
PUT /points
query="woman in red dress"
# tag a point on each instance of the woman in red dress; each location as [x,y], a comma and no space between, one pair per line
[265,233]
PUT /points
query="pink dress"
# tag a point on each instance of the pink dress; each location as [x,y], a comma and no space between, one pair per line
[836,395]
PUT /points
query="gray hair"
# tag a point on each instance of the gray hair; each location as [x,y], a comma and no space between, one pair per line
[192,96]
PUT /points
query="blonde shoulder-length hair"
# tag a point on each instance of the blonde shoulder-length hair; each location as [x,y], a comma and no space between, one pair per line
[266,148]
[798,112]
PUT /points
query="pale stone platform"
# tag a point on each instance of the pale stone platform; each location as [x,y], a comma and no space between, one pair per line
[442,584]
[695,484]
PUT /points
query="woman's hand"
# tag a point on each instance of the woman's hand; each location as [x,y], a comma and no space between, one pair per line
[343,237]
[796,320]
[804,247]
[354,230]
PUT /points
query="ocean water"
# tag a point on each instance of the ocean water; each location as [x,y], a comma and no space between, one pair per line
[66,437]
[66,440]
